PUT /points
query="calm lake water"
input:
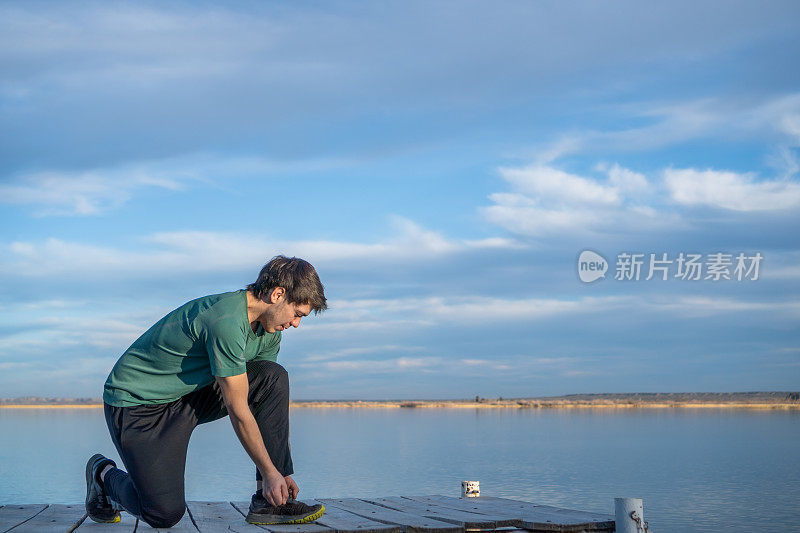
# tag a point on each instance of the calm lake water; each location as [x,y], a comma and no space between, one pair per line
[697,470]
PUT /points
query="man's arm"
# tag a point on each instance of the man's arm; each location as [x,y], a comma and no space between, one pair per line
[234,393]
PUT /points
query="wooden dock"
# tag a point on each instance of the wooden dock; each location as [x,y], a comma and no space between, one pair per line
[397,514]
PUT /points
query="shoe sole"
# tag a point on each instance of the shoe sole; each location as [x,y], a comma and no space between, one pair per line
[89,481]
[273,519]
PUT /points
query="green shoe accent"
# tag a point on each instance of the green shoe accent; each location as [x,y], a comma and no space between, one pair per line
[292,512]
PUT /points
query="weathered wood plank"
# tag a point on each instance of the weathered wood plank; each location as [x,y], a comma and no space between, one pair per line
[313,527]
[409,514]
[504,519]
[346,522]
[411,523]
[463,504]
[545,518]
[184,526]
[468,519]
[452,516]
[479,505]
[14,515]
[55,518]
[510,530]
[219,516]
[521,504]
[533,516]
[561,516]
[126,525]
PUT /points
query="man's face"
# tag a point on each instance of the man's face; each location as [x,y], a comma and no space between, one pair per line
[284,315]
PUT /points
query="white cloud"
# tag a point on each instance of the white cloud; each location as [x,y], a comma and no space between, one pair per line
[697,306]
[494,243]
[781,265]
[627,181]
[730,190]
[384,315]
[36,328]
[547,201]
[100,190]
[158,44]
[774,119]
[550,184]
[791,125]
[80,193]
[351,352]
[490,364]
[538,222]
[394,313]
[375,366]
[409,241]
[199,251]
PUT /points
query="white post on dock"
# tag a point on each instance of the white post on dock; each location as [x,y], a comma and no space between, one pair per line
[629,515]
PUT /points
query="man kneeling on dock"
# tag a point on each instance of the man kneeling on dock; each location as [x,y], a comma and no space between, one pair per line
[212,357]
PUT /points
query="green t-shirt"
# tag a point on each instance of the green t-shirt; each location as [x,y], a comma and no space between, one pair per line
[183,351]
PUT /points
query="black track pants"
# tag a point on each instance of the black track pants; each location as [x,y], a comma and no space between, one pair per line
[152,441]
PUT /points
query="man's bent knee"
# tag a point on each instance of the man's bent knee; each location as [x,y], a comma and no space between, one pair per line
[163,518]
[266,367]
[268,373]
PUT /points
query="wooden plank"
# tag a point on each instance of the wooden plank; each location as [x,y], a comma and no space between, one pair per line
[517,530]
[346,522]
[521,504]
[453,516]
[411,523]
[411,514]
[468,519]
[564,517]
[55,518]
[219,516]
[14,515]
[533,516]
[482,504]
[184,526]
[462,504]
[312,527]
[126,525]
[503,519]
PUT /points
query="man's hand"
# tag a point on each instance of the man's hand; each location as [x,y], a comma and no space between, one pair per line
[293,489]
[274,488]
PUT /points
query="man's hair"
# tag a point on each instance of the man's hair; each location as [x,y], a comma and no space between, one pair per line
[297,277]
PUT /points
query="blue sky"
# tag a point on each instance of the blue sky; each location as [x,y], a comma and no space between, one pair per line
[442,164]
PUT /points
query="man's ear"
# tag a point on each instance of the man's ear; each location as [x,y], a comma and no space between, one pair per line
[277,294]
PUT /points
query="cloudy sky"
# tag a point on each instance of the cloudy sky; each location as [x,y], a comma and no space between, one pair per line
[442,164]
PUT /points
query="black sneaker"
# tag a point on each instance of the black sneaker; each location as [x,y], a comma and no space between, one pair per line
[291,512]
[98,506]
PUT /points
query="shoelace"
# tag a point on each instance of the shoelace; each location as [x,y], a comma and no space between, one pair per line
[290,508]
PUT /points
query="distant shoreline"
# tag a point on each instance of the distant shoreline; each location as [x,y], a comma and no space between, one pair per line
[733,400]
